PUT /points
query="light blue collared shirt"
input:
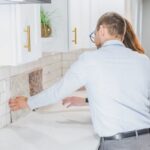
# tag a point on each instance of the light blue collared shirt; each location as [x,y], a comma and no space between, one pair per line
[117,80]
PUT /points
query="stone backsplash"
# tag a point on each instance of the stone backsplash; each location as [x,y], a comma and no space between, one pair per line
[35,82]
[29,79]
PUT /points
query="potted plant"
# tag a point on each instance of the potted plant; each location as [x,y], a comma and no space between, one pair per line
[46,29]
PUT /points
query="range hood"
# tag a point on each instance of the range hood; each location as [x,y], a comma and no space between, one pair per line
[23,1]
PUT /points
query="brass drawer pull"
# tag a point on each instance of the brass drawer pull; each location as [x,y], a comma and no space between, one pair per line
[28,44]
[75,36]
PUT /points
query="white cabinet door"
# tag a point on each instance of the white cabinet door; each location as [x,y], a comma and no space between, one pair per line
[5,35]
[19,34]
[79,23]
[28,32]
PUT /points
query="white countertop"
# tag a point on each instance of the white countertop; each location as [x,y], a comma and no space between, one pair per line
[51,128]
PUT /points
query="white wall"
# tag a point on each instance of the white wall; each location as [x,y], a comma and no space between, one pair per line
[146,26]
[134,15]
[58,17]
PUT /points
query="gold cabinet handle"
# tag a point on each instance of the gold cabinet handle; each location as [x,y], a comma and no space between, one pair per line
[75,35]
[28,44]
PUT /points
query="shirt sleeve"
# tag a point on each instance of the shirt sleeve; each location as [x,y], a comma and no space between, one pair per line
[72,80]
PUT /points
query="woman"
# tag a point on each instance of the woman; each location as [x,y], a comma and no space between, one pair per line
[131,41]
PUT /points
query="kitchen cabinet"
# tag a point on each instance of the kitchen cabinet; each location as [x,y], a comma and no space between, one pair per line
[71,20]
[83,17]
[19,33]
[79,23]
[70,25]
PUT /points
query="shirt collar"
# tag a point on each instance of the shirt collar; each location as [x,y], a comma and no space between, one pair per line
[113,42]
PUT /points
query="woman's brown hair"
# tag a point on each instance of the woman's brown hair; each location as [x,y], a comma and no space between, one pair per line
[130,39]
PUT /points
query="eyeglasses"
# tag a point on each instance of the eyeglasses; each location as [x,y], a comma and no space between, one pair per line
[92,36]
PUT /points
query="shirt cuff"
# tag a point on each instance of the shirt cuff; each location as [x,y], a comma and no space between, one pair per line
[31,104]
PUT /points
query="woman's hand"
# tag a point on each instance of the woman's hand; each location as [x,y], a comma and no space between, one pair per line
[74,101]
[17,103]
